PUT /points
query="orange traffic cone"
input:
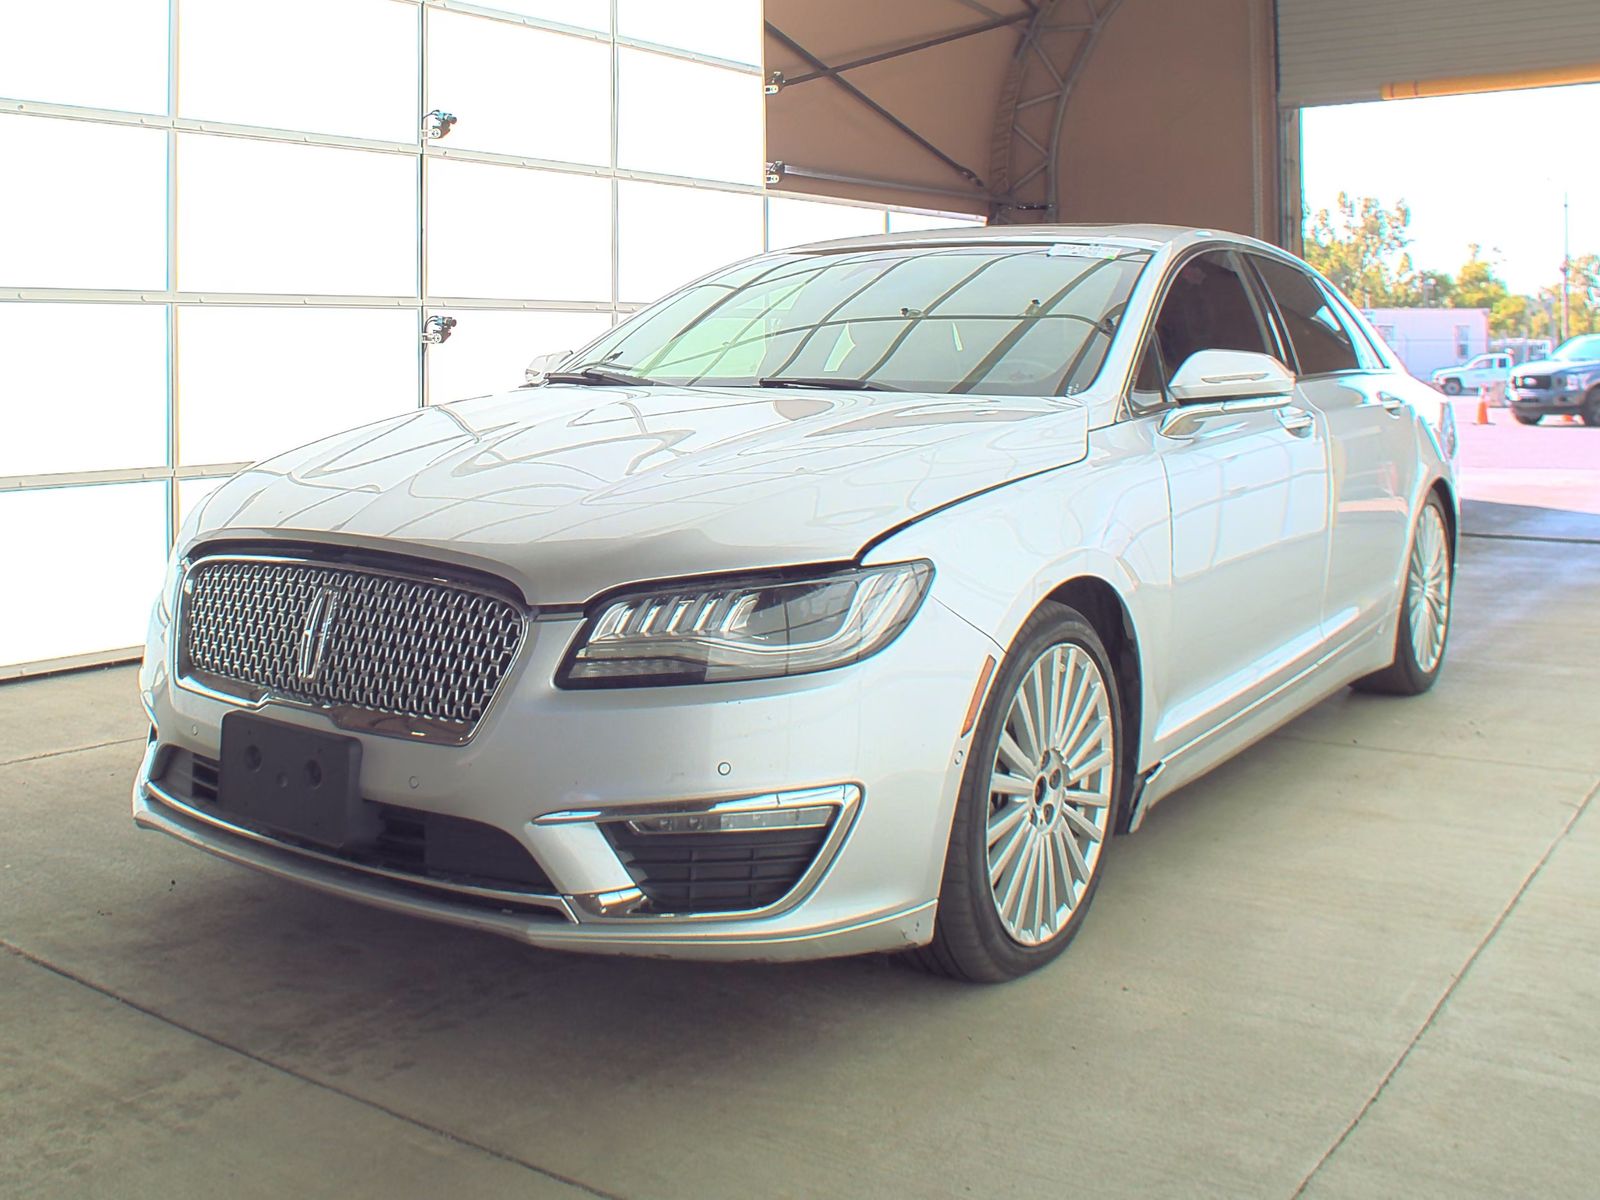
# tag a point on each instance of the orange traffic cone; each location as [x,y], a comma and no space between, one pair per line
[1483,411]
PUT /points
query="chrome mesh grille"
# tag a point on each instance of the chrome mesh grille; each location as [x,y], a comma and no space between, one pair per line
[382,643]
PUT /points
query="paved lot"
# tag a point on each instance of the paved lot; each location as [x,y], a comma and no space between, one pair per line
[1363,959]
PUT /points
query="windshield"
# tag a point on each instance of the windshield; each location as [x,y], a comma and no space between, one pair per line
[998,320]
[1580,349]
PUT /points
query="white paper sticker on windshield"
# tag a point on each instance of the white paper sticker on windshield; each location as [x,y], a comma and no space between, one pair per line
[1085,250]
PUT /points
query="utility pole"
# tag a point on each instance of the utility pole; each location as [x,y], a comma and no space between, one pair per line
[1566,264]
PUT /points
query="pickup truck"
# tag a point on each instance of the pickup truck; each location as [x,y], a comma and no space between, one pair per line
[1566,383]
[1474,374]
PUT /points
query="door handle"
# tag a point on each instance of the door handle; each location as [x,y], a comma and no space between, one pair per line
[1296,420]
[1392,404]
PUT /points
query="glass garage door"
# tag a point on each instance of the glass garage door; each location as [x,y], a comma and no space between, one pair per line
[233,226]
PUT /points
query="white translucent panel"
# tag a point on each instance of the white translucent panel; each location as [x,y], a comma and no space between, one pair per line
[517,234]
[683,118]
[489,350]
[794,222]
[670,235]
[97,53]
[95,557]
[192,491]
[518,90]
[907,222]
[587,14]
[81,205]
[725,28]
[83,387]
[328,66]
[268,217]
[256,381]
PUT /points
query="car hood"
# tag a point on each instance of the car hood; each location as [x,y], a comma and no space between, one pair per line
[569,491]
[1549,366]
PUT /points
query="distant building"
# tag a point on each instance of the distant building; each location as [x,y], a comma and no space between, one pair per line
[1429,338]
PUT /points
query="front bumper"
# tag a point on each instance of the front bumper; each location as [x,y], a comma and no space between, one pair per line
[879,742]
[1545,402]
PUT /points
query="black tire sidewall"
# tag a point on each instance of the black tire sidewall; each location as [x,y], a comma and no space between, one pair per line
[1052,624]
[1405,656]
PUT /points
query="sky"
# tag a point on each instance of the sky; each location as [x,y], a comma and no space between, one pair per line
[1487,168]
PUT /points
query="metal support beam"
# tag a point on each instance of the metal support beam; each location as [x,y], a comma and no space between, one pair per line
[942,39]
[1025,166]
[856,93]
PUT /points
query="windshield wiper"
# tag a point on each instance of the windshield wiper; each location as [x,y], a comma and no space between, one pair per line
[599,376]
[825,381]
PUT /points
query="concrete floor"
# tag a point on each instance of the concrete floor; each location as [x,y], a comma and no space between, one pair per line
[1362,959]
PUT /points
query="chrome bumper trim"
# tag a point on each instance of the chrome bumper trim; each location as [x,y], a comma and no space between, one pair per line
[569,845]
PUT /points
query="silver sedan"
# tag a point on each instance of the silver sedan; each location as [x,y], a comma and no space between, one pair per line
[853,598]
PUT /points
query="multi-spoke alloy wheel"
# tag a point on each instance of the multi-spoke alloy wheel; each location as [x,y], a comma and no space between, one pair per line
[1038,804]
[1050,793]
[1428,590]
[1424,624]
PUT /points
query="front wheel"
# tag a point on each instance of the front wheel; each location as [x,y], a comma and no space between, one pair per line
[1037,806]
[1424,610]
[1591,408]
[1452,387]
[1523,418]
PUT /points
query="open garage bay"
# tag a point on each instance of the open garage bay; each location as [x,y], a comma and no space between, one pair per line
[1360,959]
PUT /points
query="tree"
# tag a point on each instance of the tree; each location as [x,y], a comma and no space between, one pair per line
[1434,289]
[1477,286]
[1361,247]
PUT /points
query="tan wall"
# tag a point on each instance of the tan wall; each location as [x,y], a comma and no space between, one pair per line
[1173,118]
[946,93]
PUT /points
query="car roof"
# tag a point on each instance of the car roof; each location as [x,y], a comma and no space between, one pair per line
[1133,236]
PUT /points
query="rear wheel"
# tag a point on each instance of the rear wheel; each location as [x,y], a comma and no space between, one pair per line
[1523,418]
[1037,807]
[1424,610]
[1591,408]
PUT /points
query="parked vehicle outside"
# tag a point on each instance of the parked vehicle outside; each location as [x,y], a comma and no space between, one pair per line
[851,599]
[1474,375]
[1565,384]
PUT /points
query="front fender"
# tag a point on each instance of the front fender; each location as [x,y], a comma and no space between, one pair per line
[1000,554]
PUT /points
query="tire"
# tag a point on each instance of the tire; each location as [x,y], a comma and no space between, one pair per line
[1452,387]
[972,940]
[1591,408]
[1523,418]
[1429,576]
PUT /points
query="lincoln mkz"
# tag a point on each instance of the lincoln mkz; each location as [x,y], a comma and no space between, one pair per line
[854,598]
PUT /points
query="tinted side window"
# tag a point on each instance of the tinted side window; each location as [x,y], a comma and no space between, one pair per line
[1321,341]
[1208,308]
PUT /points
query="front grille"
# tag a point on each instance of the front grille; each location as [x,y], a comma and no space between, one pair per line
[716,872]
[379,642]
[430,846]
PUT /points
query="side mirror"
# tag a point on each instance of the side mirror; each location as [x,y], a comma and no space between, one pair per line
[1217,383]
[542,365]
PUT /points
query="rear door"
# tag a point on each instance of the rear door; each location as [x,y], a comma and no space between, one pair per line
[1371,443]
[1249,496]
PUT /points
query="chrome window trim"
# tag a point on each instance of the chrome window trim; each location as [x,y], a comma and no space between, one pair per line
[620,907]
[539,899]
[1127,410]
[356,720]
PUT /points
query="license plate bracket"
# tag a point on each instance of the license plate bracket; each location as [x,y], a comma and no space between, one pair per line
[299,782]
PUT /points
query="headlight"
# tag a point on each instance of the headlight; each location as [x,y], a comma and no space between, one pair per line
[719,630]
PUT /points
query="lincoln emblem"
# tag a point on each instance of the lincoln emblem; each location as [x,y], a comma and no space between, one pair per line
[314,631]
